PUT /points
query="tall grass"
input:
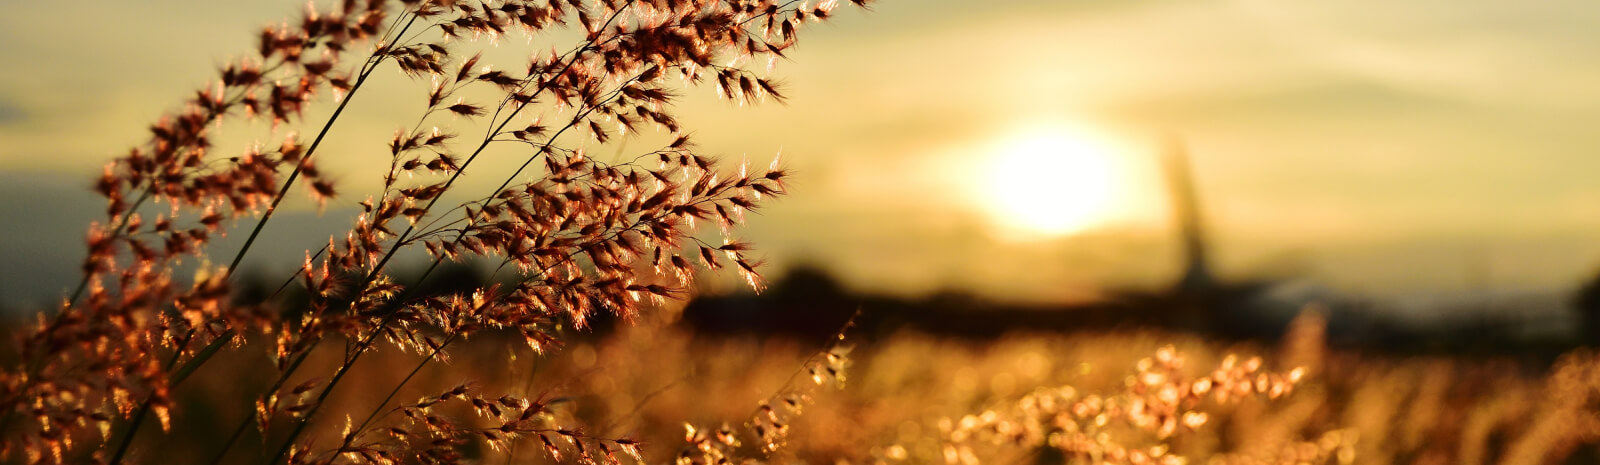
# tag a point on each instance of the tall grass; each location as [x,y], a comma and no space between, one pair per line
[1096,397]
[574,235]
[141,365]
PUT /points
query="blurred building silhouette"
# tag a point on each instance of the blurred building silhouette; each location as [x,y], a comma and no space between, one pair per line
[1587,305]
[807,302]
[1186,214]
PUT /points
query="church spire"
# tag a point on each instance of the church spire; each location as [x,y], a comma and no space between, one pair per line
[1186,215]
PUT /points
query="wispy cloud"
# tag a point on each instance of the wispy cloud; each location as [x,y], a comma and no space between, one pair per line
[10,112]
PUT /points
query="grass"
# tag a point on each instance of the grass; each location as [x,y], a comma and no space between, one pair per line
[349,362]
[914,398]
[573,235]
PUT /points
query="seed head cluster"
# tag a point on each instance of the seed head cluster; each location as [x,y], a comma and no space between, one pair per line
[582,236]
[1156,404]
[768,428]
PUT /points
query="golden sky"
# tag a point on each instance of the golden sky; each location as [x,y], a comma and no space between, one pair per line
[1376,147]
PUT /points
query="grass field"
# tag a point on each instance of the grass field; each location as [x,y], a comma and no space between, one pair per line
[1085,397]
[558,327]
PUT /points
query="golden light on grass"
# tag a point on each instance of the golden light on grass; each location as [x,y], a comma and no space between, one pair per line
[1053,180]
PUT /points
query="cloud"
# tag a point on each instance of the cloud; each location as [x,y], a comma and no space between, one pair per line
[1498,52]
[1317,99]
[46,216]
[11,112]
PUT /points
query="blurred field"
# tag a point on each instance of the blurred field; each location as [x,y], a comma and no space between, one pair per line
[914,398]
[1350,408]
[982,188]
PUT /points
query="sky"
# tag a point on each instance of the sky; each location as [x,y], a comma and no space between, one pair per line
[1376,148]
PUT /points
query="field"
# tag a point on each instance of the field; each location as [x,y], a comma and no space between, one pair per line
[569,302]
[907,397]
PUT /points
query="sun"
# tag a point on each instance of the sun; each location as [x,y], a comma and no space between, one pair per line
[1051,182]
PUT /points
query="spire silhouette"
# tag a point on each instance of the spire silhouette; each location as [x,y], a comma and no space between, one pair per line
[1186,215]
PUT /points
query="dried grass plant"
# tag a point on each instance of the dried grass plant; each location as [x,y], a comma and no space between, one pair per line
[1144,420]
[1102,397]
[581,236]
[142,365]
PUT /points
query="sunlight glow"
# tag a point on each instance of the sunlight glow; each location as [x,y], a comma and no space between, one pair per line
[1052,181]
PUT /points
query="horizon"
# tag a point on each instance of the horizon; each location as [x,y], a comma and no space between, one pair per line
[1439,151]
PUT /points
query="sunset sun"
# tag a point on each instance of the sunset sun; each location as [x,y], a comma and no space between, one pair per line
[1051,182]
